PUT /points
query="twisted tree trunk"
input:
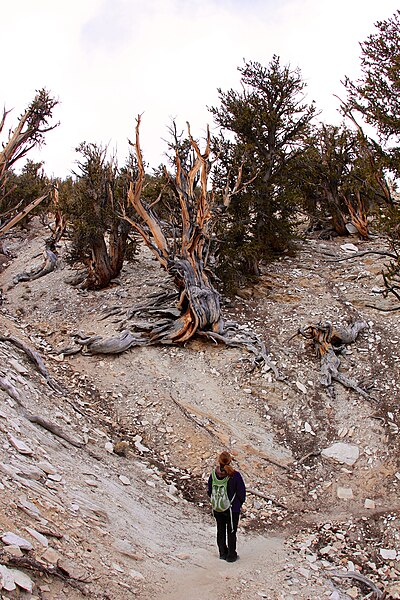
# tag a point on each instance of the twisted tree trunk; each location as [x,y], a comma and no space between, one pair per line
[198,308]
[328,342]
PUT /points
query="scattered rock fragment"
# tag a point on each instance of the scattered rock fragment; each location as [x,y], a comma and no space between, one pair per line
[342,453]
[344,493]
[38,536]
[12,539]
[136,575]
[51,556]
[22,580]
[7,579]
[19,445]
[388,554]
[125,480]
[139,446]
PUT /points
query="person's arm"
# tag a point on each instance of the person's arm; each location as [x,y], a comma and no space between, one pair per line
[240,488]
[209,486]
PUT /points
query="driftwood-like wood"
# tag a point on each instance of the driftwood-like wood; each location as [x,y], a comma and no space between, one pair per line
[328,342]
[53,428]
[197,305]
[21,214]
[36,359]
[265,497]
[11,390]
[377,593]
[48,265]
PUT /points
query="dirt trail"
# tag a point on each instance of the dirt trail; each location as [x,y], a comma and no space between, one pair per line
[254,575]
[259,573]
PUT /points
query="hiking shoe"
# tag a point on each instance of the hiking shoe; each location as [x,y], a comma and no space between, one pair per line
[223,556]
[232,558]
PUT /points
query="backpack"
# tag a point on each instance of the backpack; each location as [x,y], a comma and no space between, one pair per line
[219,493]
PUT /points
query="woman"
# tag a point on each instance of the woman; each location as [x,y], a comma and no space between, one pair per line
[225,476]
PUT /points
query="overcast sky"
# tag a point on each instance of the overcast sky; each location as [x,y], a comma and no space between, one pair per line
[108,60]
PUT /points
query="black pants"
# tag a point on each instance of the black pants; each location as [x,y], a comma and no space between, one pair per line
[226,534]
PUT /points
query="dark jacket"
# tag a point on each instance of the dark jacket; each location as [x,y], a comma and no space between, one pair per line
[235,486]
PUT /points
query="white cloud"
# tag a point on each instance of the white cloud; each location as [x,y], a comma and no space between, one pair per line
[108,60]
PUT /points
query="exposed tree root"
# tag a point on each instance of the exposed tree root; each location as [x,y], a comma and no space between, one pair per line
[163,332]
[30,563]
[328,343]
[265,497]
[377,593]
[49,264]
[171,328]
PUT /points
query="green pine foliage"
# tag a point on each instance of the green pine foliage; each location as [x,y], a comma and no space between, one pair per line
[264,127]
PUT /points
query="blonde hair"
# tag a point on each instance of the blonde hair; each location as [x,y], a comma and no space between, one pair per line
[224,461]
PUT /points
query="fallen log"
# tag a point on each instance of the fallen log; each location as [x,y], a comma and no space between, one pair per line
[49,264]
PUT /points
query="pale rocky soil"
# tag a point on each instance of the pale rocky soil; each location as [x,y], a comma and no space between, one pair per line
[139,526]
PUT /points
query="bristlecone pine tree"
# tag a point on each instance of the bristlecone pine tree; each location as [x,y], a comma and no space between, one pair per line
[28,133]
[185,258]
[375,96]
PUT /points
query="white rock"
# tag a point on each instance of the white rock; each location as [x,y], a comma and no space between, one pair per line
[308,428]
[11,539]
[342,453]
[140,447]
[135,574]
[349,248]
[351,228]
[388,554]
[38,536]
[124,480]
[19,445]
[7,578]
[47,468]
[344,493]
[22,580]
[368,503]
[172,488]
[109,447]
[301,387]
